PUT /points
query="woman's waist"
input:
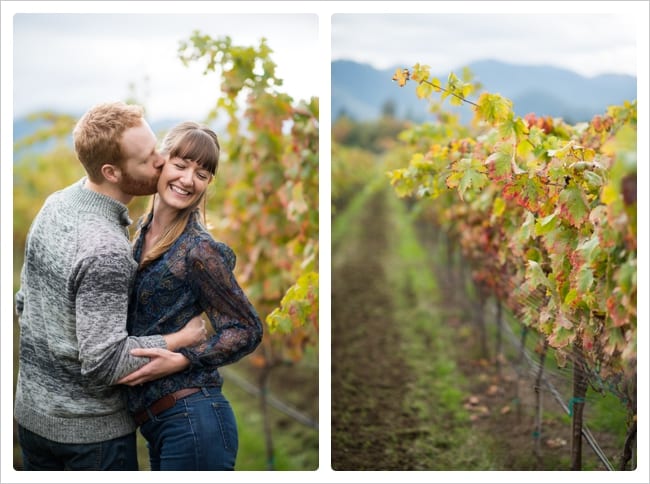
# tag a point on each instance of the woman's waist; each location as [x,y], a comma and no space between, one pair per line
[143,396]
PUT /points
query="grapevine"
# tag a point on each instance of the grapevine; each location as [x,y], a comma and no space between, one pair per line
[545,213]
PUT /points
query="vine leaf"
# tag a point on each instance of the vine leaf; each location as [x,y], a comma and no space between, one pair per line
[401,76]
[573,206]
[468,173]
[525,192]
[494,108]
[535,276]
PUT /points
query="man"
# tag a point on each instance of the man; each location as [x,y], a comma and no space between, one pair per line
[73,301]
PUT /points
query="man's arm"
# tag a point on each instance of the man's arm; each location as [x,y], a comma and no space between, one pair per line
[102,286]
[161,363]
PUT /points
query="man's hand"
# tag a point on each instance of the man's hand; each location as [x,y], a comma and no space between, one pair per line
[163,362]
[192,334]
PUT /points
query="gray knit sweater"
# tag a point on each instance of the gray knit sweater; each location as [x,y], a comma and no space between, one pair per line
[72,307]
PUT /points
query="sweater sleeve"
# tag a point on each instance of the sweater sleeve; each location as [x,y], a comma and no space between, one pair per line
[19,299]
[102,296]
[20,302]
[238,329]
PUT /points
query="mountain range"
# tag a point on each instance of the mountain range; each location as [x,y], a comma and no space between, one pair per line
[362,91]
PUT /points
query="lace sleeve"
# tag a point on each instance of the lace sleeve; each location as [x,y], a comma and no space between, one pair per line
[238,329]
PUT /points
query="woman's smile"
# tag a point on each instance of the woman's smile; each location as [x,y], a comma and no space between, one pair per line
[179,190]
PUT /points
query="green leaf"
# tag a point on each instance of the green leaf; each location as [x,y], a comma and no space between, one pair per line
[593,179]
[585,279]
[535,276]
[573,205]
[561,337]
[590,248]
[571,296]
[500,162]
[545,224]
[525,191]
[494,108]
[299,304]
[527,229]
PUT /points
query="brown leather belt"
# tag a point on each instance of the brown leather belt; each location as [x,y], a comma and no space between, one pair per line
[165,403]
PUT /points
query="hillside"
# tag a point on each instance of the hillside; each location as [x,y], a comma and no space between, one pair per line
[361,91]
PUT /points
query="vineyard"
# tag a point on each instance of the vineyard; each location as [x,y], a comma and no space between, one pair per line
[517,321]
[263,204]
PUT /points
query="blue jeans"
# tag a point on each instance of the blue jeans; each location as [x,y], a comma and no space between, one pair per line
[198,433]
[41,454]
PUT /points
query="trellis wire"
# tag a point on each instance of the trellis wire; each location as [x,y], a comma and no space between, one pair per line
[273,401]
[556,395]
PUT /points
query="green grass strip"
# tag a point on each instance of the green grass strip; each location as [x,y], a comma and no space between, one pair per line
[445,440]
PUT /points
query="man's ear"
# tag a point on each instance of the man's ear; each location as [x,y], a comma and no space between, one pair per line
[112,173]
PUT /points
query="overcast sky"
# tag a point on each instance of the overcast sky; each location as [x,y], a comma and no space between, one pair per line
[68,61]
[589,44]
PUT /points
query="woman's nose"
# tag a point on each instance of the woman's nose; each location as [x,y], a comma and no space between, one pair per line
[187,177]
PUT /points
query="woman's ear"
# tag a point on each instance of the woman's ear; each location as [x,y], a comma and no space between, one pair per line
[111,172]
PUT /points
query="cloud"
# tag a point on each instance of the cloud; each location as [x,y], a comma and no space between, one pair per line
[587,44]
[68,62]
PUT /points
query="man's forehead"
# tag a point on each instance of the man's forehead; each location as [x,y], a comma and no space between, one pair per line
[139,139]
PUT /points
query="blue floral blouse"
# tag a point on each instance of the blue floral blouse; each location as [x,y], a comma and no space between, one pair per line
[195,275]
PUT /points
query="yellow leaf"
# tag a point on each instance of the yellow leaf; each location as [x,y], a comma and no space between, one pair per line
[608,195]
[499,206]
[401,76]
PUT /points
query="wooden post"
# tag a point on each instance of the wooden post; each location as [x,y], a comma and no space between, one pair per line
[627,450]
[538,404]
[264,386]
[577,403]
[499,337]
[520,361]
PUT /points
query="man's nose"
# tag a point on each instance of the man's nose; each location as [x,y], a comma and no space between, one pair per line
[159,161]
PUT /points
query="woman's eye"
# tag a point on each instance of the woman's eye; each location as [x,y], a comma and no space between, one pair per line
[202,176]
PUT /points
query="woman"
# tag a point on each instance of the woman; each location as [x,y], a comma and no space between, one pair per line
[183,272]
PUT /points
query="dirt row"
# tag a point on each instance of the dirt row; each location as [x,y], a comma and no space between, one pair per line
[368,375]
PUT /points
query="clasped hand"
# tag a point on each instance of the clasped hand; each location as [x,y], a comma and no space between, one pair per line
[163,362]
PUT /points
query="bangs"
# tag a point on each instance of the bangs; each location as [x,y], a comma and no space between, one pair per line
[199,147]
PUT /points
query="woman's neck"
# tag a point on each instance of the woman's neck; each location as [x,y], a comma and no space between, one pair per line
[163,216]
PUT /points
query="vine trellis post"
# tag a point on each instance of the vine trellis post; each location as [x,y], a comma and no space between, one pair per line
[538,403]
[577,404]
[499,344]
[264,409]
[519,365]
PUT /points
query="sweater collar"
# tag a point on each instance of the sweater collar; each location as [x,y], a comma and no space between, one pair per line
[90,201]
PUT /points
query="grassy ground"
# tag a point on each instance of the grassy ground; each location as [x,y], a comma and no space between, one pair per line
[438,392]
[410,388]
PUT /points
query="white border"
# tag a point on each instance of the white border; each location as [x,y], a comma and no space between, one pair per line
[324,9]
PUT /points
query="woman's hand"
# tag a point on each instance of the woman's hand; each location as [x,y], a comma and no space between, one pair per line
[162,363]
[192,334]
